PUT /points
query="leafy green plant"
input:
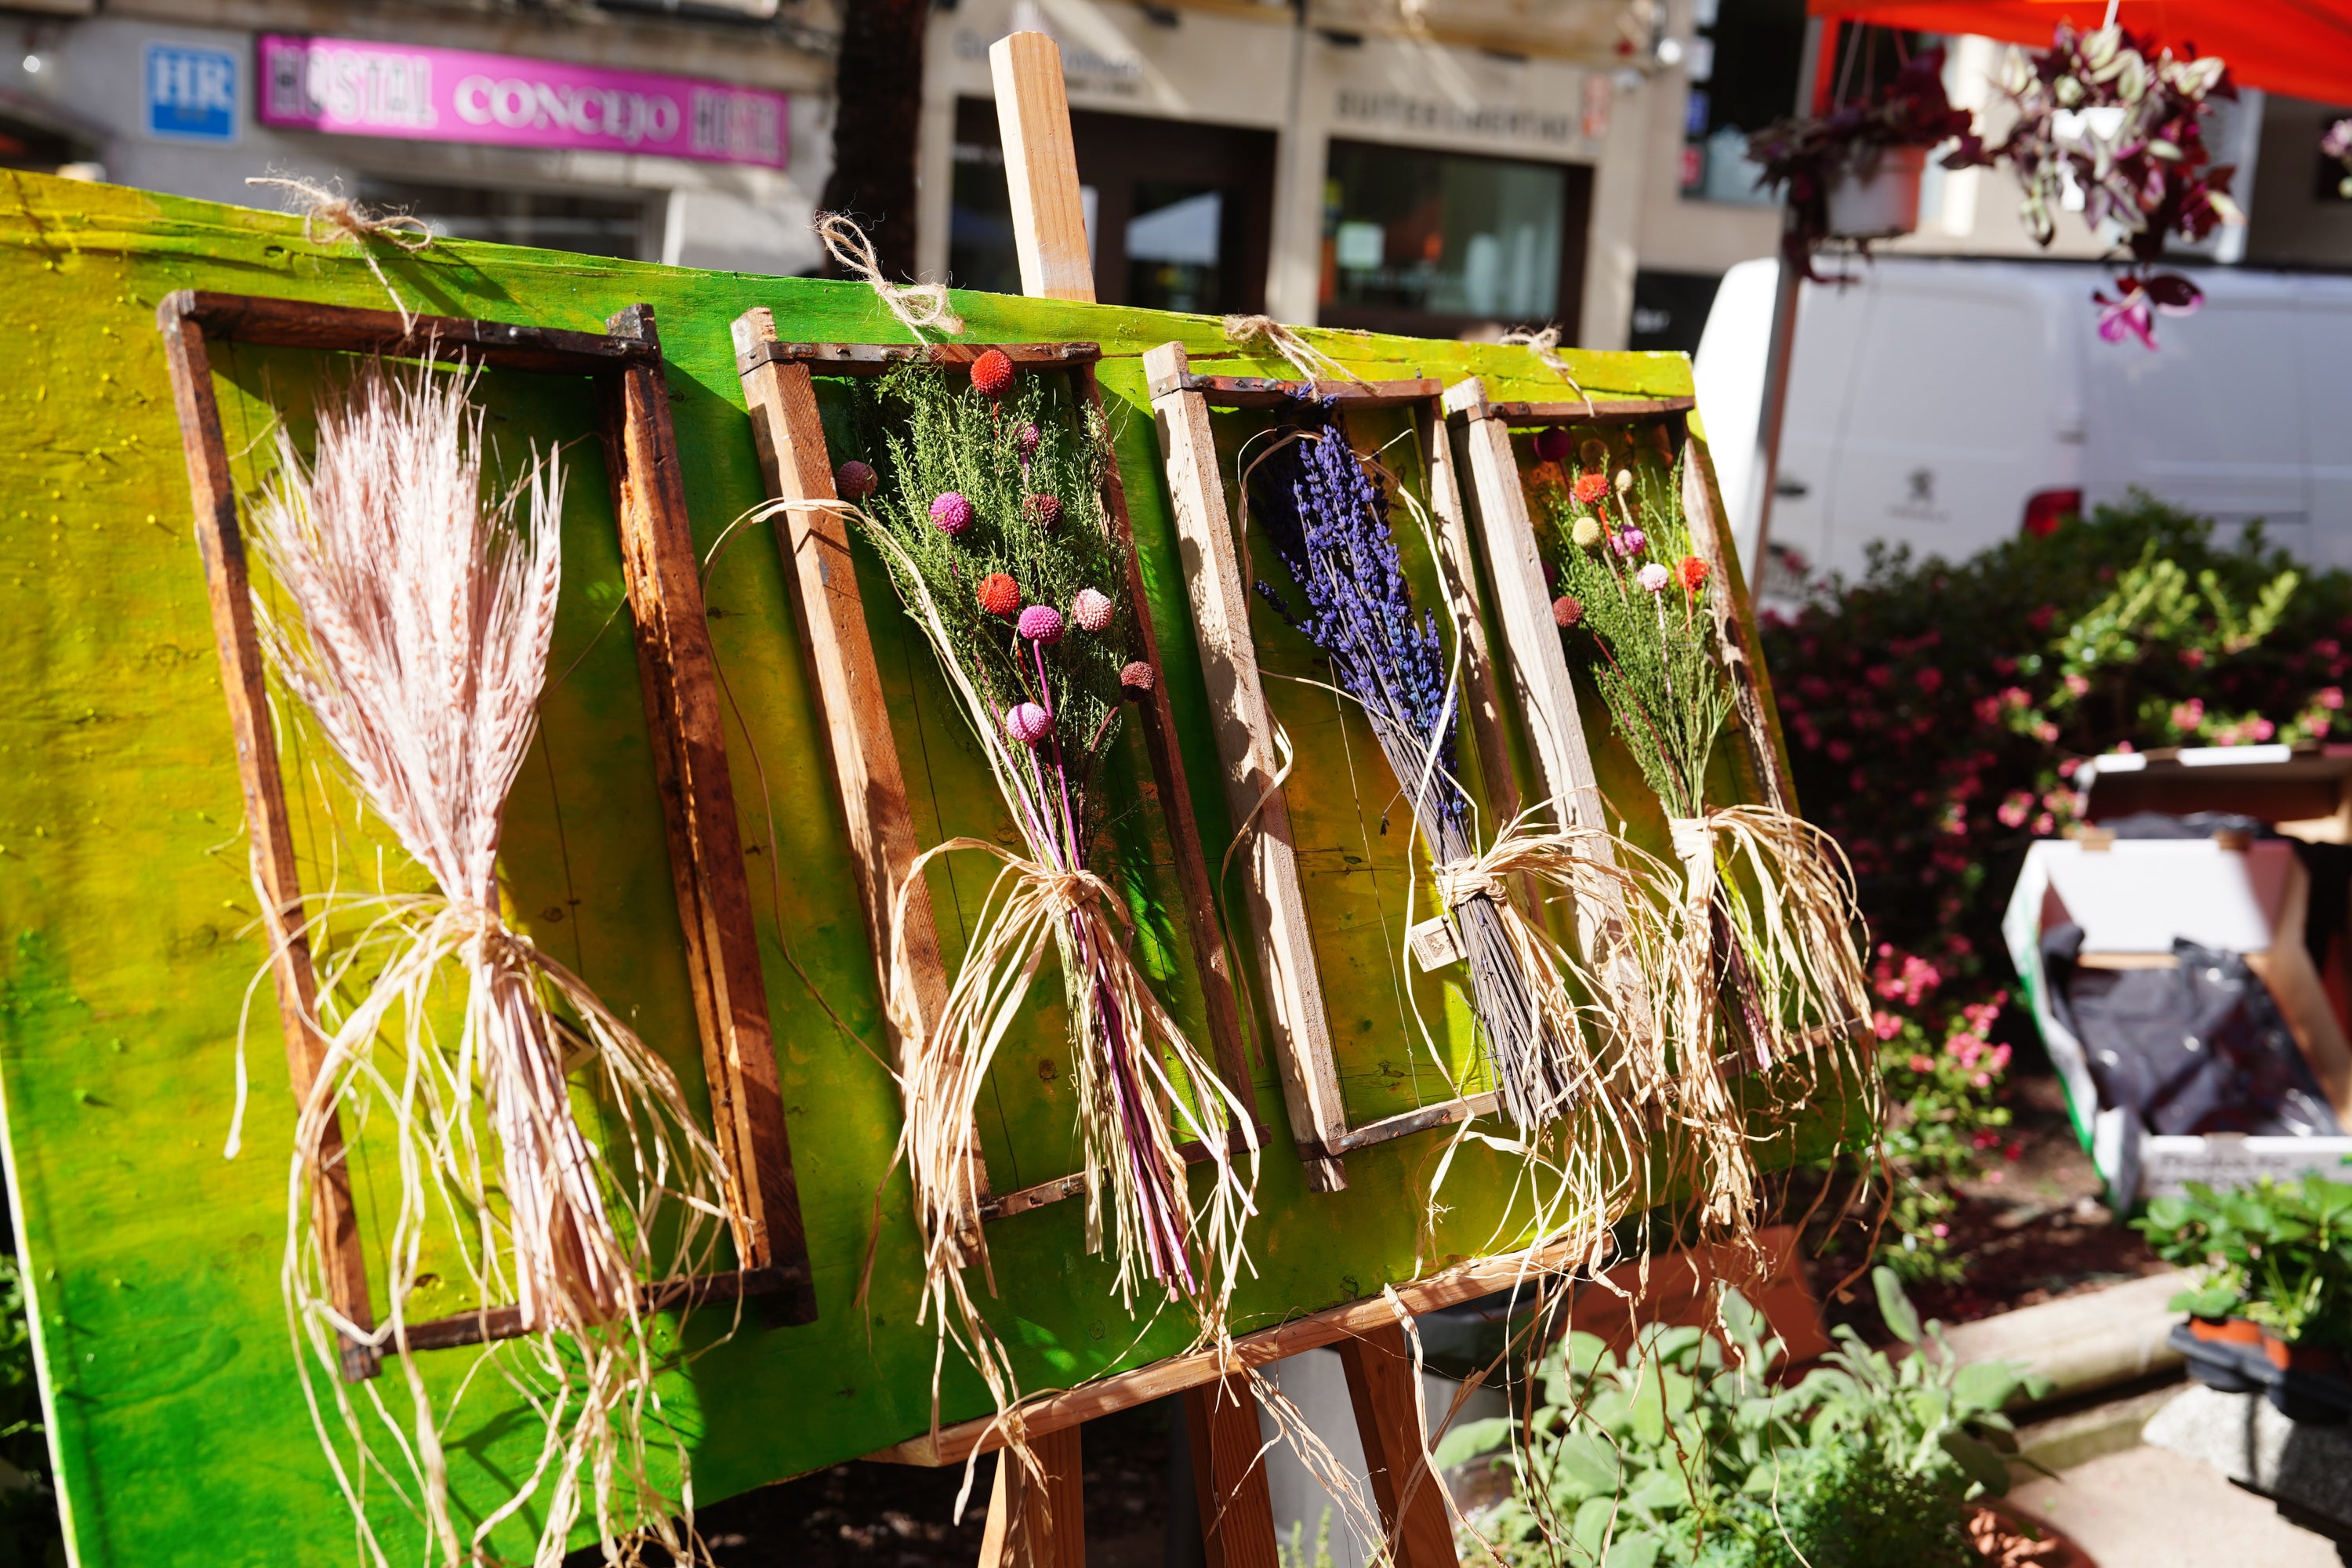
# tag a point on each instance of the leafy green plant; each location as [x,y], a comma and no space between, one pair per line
[2278,1253]
[1943,1075]
[1685,1454]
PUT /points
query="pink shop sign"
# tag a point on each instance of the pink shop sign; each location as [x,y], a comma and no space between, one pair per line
[416,94]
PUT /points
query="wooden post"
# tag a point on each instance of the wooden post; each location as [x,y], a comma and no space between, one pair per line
[1229,1476]
[790,437]
[1383,1386]
[275,876]
[706,851]
[1041,168]
[1276,906]
[1031,1525]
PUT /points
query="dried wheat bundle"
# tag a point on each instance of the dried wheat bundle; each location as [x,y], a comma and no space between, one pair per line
[415,621]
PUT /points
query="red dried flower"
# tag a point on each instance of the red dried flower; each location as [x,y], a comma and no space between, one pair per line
[992,373]
[1553,443]
[1043,510]
[1566,610]
[999,595]
[1590,488]
[853,480]
[1692,571]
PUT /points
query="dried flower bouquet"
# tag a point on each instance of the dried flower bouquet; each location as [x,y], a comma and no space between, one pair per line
[986,501]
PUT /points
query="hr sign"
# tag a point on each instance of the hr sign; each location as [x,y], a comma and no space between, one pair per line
[456,95]
[191,93]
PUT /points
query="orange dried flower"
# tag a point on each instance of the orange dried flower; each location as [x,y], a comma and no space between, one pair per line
[1590,488]
[1692,571]
[999,595]
[992,373]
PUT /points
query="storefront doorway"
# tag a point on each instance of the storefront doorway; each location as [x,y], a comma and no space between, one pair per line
[1179,217]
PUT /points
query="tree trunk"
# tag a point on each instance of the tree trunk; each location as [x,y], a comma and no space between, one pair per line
[878,102]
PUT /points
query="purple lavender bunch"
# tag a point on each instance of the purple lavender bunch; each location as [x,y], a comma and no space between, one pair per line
[1329,523]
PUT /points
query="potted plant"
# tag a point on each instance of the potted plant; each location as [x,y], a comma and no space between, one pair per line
[2107,126]
[2272,1306]
[1687,1451]
[1853,174]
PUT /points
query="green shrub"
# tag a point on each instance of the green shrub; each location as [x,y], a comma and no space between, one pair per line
[2279,1253]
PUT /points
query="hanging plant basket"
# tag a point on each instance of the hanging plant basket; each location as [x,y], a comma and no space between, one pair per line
[1876,195]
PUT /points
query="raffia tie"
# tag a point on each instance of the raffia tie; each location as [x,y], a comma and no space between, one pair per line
[330,217]
[920,307]
[1311,362]
[1543,345]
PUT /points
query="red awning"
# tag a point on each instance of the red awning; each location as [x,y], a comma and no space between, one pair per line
[2302,48]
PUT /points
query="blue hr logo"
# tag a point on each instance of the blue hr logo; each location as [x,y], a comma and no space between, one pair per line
[191,93]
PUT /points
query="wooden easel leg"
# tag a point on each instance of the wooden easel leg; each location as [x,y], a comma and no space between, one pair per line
[1035,1526]
[1229,1476]
[1411,1497]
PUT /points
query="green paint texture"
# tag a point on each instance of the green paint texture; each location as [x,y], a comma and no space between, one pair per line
[152,1262]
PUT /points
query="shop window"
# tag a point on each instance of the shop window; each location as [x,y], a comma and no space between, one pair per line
[1438,244]
[1669,309]
[1742,65]
[1177,218]
[591,225]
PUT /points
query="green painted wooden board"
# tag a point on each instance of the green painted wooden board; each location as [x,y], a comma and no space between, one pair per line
[152,1262]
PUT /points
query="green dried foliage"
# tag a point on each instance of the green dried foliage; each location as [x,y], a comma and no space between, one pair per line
[927,435]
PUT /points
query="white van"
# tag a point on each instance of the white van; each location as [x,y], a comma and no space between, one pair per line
[1942,403]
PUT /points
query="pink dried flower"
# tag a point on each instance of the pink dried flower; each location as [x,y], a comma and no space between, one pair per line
[1632,541]
[1028,438]
[1040,624]
[1136,681]
[1028,723]
[1566,611]
[1653,576]
[1091,610]
[951,513]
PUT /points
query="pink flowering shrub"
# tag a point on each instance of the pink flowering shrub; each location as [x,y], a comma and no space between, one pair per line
[1943,1076]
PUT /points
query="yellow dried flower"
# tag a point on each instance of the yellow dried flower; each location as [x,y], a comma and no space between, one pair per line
[1586,533]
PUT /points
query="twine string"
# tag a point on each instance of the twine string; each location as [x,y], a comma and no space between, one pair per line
[329,219]
[1544,346]
[920,307]
[1311,362]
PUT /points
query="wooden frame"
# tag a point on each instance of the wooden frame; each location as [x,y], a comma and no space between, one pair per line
[1221,607]
[689,751]
[778,386]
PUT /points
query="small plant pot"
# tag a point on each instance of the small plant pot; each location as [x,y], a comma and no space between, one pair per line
[1878,200]
[2310,1385]
[2223,1353]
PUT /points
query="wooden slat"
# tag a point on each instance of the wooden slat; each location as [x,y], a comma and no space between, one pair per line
[1041,168]
[1229,1476]
[300,324]
[276,876]
[1228,1045]
[1457,568]
[878,359]
[1621,411]
[1035,1525]
[822,577]
[1124,1391]
[1751,694]
[669,1296]
[1266,392]
[1406,1123]
[1385,1389]
[705,849]
[1276,904]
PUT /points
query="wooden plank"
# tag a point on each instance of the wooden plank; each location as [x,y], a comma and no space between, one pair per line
[1274,900]
[1267,392]
[669,1296]
[714,899]
[300,324]
[1406,1123]
[789,436]
[1680,1289]
[1625,411]
[1041,168]
[1751,693]
[276,876]
[1229,1476]
[1457,567]
[1035,1525]
[1124,1391]
[1385,1389]
[1229,1047]
[878,359]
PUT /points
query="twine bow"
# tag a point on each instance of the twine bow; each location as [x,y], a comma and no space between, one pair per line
[918,306]
[340,218]
[1543,344]
[1311,362]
